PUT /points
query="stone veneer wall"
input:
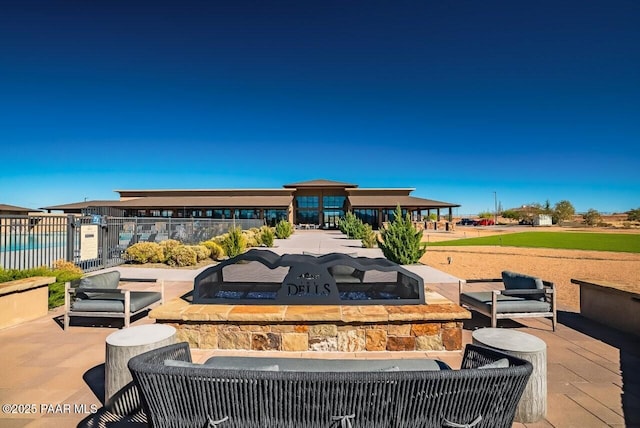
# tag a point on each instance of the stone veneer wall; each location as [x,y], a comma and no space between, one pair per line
[326,337]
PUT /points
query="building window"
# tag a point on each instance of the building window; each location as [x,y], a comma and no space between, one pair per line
[273,216]
[154,213]
[333,202]
[221,214]
[307,211]
[390,214]
[307,216]
[307,201]
[367,215]
[249,214]
[167,213]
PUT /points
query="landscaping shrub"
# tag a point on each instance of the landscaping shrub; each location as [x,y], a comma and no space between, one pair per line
[181,256]
[267,236]
[63,271]
[400,242]
[202,252]
[216,250]
[168,246]
[368,237]
[284,229]
[351,226]
[235,242]
[145,252]
[251,237]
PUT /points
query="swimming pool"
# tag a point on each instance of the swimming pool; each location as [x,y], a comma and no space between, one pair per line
[19,242]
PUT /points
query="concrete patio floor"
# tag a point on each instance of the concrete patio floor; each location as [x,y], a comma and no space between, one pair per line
[593,371]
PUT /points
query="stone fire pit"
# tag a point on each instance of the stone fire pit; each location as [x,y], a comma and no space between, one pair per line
[261,277]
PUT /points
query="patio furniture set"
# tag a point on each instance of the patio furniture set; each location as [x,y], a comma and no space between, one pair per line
[304,392]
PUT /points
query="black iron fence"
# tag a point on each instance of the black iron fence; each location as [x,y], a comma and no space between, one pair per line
[96,242]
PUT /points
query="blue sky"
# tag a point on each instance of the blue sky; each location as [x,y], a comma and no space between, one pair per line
[534,101]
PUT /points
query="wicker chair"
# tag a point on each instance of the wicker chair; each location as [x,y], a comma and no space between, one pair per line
[197,396]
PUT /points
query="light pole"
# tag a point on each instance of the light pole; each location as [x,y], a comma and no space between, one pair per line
[495,202]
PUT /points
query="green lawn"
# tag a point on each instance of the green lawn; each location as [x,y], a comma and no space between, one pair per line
[621,242]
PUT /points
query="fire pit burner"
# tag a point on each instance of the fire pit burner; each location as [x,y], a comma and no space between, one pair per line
[261,277]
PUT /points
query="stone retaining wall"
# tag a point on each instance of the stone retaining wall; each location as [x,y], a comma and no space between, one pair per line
[326,337]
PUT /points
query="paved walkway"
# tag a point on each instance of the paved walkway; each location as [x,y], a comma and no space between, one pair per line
[593,371]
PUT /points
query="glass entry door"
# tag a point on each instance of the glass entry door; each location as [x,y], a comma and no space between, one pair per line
[331,218]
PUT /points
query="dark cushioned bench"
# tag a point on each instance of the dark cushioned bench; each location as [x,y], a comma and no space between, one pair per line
[99,296]
[523,296]
[315,364]
[239,392]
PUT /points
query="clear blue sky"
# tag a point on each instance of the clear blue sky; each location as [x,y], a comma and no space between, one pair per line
[533,100]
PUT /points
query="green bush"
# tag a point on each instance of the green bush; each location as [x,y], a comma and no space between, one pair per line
[267,236]
[351,226]
[202,252]
[400,242]
[235,242]
[368,237]
[168,246]
[182,256]
[216,250]
[284,229]
[63,271]
[592,217]
[145,252]
[251,237]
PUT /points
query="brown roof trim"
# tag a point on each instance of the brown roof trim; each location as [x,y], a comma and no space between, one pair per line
[81,205]
[391,201]
[203,192]
[319,183]
[206,202]
[14,208]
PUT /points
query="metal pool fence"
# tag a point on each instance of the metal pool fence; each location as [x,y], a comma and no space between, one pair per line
[96,242]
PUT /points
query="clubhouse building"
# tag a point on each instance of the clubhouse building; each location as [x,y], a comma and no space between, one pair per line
[315,203]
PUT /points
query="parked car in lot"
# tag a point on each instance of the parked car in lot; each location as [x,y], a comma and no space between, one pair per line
[484,222]
[466,222]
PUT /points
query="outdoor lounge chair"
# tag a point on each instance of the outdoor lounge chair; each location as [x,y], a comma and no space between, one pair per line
[256,392]
[99,296]
[523,296]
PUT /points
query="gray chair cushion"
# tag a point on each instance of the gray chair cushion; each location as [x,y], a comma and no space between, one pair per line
[101,280]
[178,363]
[506,304]
[115,302]
[519,281]
[327,365]
[107,280]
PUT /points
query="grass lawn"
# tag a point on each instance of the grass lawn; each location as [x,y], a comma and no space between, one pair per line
[628,243]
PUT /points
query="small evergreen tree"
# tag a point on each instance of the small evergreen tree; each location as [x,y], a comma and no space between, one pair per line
[235,242]
[351,226]
[267,236]
[400,242]
[368,236]
[284,229]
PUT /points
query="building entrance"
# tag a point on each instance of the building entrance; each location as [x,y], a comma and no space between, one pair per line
[331,218]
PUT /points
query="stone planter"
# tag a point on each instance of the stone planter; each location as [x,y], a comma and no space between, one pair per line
[24,300]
